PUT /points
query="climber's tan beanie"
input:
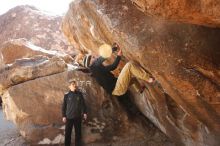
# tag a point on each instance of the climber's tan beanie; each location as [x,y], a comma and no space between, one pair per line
[105,51]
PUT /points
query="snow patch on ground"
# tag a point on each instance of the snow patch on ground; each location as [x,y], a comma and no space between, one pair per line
[57,140]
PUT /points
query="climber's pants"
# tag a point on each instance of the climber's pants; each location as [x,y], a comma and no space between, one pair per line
[76,122]
[124,78]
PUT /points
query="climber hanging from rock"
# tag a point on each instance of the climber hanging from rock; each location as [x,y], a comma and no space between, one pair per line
[102,73]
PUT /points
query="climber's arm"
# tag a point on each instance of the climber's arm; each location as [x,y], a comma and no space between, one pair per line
[114,65]
[116,62]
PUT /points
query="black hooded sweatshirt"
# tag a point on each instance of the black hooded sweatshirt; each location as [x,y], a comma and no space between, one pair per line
[73,105]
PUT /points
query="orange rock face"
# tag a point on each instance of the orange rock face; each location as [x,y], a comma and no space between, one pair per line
[201,12]
[184,59]
[28,69]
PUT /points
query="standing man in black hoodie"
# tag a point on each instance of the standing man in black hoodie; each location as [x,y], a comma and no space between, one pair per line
[73,109]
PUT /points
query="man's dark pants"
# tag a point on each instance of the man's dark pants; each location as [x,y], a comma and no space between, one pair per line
[76,122]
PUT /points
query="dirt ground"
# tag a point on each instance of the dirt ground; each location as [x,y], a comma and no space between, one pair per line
[9,135]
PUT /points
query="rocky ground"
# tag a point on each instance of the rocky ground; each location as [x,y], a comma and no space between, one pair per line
[9,135]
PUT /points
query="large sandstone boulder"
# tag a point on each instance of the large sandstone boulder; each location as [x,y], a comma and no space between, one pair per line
[201,12]
[37,113]
[28,69]
[184,59]
[40,28]
[21,48]
[32,85]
